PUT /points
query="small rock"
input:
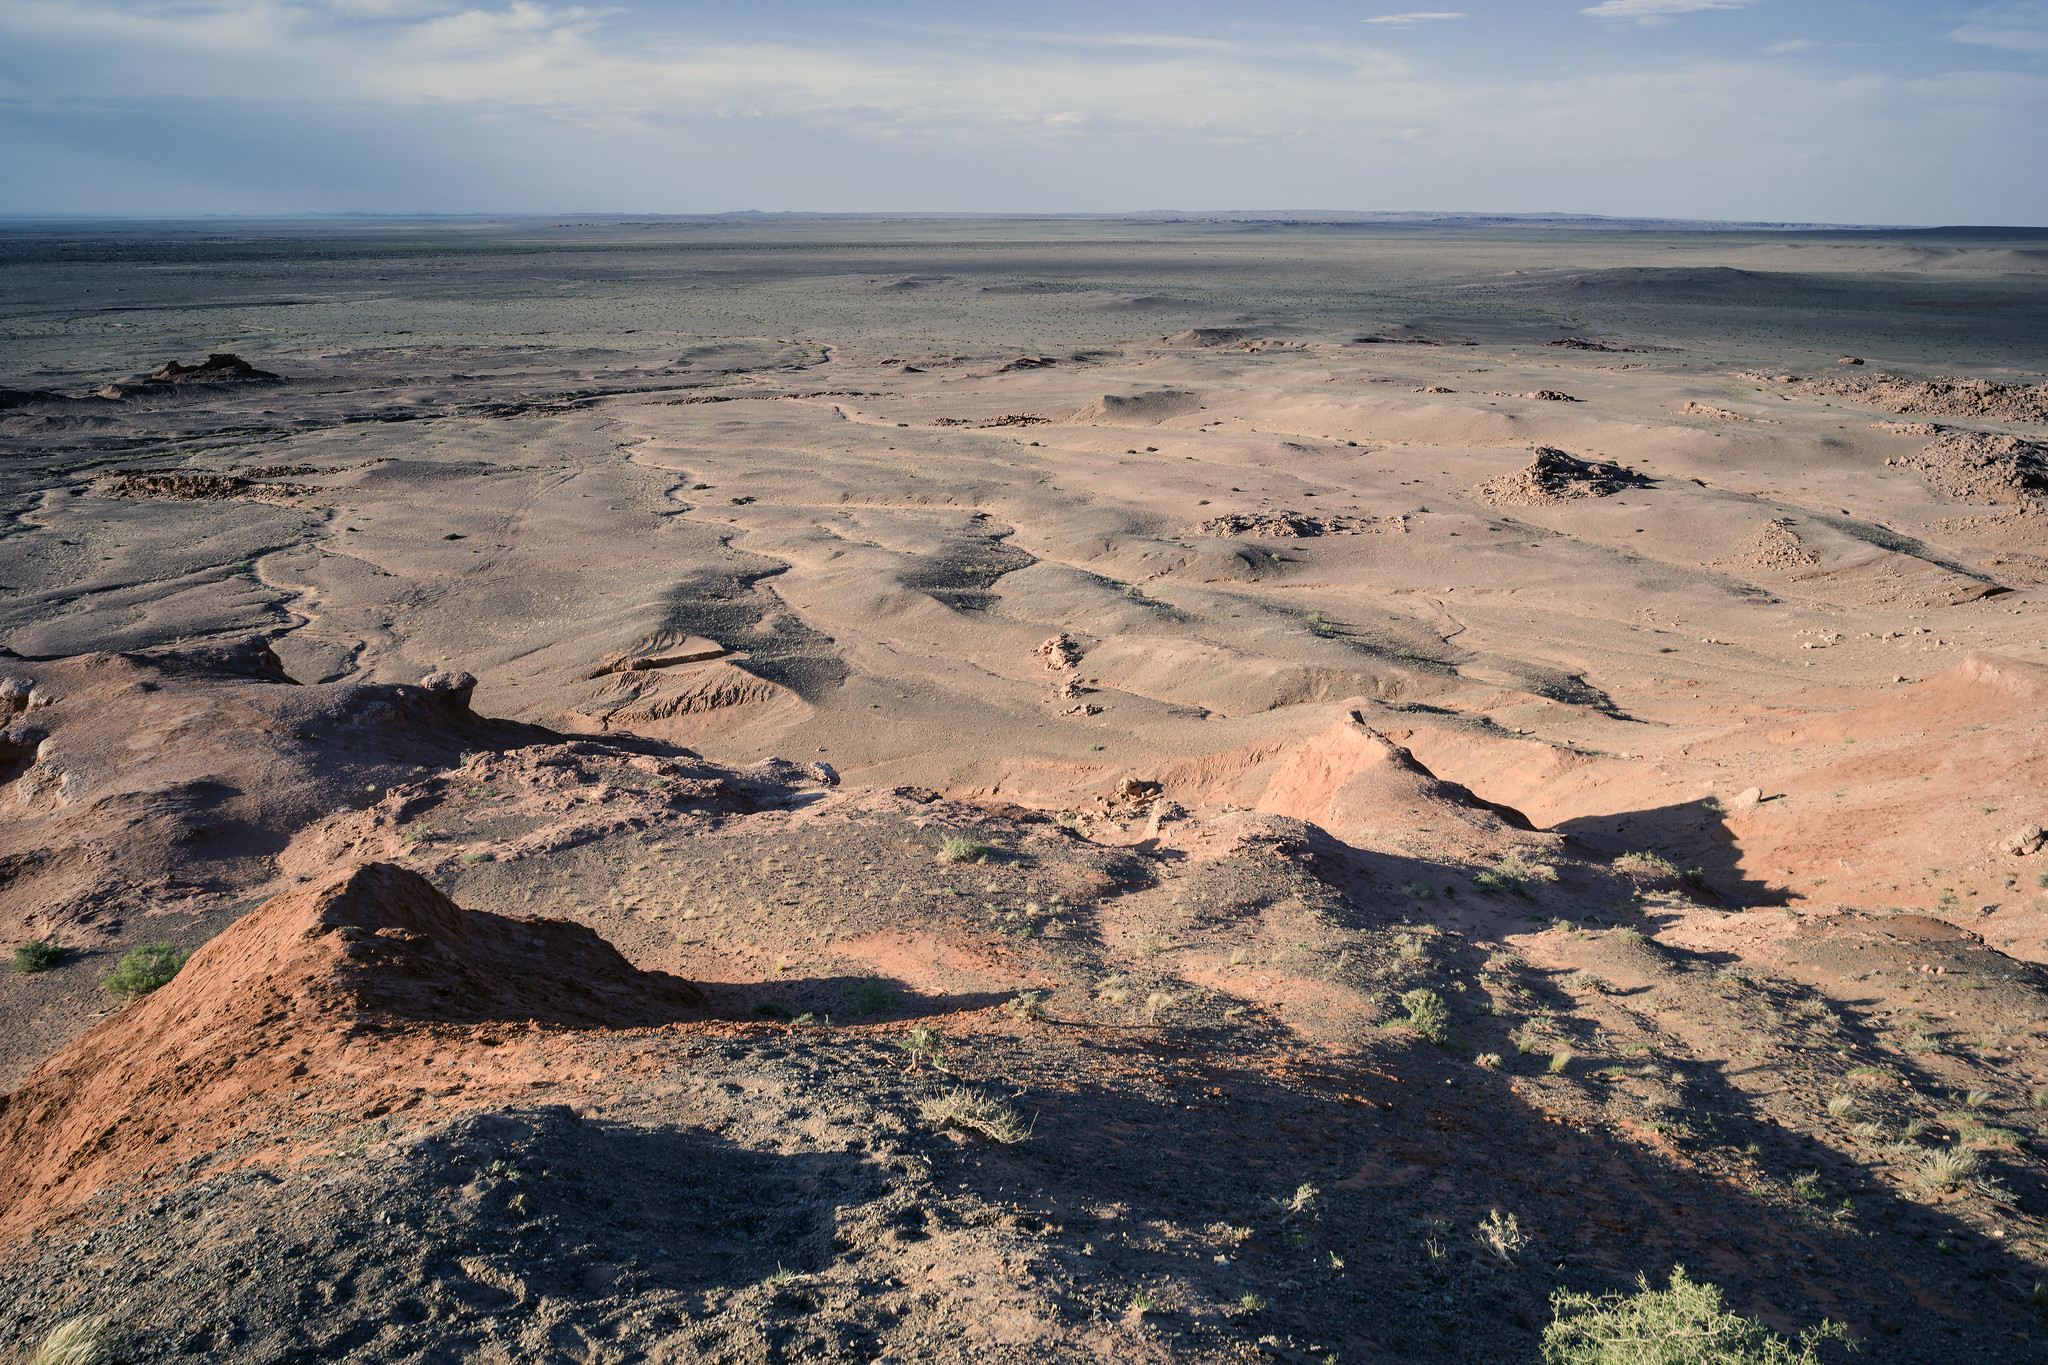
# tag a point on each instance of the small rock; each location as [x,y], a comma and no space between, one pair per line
[1059,652]
[825,773]
[1748,796]
[2022,842]
[453,685]
[1850,360]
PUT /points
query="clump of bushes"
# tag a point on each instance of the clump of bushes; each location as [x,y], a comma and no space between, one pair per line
[146,969]
[1427,1015]
[1684,1324]
[955,848]
[873,996]
[37,956]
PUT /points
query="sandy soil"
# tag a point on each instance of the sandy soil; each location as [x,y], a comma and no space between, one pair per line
[1300,617]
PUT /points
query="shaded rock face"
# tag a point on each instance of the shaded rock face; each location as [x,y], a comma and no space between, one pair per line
[407,951]
[219,365]
[277,999]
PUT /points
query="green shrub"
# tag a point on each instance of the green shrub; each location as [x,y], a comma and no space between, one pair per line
[873,996]
[147,968]
[37,956]
[1654,864]
[1427,1014]
[955,849]
[924,1043]
[1500,881]
[773,1009]
[1683,1325]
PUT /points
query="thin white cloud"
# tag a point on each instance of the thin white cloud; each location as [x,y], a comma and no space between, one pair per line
[1656,9]
[1791,45]
[1417,17]
[2021,27]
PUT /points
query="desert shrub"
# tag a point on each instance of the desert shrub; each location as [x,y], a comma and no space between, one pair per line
[1559,1061]
[1948,1168]
[146,969]
[77,1341]
[1303,1200]
[1695,879]
[1158,1002]
[924,1043]
[1842,1107]
[1501,1237]
[983,1115]
[1585,983]
[1650,864]
[773,1009]
[1489,1060]
[956,849]
[873,996]
[37,956]
[1685,1324]
[1427,1014]
[1027,1006]
[1499,881]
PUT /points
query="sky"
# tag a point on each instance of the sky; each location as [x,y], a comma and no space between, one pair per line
[1840,111]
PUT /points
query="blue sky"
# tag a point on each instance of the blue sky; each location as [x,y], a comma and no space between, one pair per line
[1803,110]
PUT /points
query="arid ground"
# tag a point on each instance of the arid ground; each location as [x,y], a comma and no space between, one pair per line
[1349,735]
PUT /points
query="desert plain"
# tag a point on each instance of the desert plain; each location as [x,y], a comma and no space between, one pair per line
[1154,789]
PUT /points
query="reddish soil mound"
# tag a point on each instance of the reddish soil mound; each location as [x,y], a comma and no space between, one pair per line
[1352,775]
[275,1001]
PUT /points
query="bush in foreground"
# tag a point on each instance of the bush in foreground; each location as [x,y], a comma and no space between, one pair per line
[1682,1325]
[147,968]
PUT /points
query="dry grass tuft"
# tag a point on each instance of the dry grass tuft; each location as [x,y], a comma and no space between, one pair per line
[79,1341]
[972,1112]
